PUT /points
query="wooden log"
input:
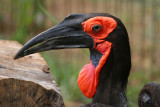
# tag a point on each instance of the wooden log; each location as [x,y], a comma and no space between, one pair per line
[26,82]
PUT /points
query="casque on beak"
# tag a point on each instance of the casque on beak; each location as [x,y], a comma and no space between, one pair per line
[61,36]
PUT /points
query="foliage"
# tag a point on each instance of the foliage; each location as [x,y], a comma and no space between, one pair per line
[23,19]
[65,74]
[54,20]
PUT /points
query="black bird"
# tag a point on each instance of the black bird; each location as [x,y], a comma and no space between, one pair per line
[150,95]
[106,77]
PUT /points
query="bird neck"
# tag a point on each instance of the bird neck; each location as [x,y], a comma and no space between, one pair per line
[110,94]
[113,79]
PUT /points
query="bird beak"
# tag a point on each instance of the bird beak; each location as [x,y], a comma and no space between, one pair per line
[57,37]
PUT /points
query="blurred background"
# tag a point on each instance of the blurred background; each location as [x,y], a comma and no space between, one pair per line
[20,20]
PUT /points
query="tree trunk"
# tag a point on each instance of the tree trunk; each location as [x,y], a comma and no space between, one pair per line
[26,82]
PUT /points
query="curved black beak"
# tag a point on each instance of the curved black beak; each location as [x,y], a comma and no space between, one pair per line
[58,37]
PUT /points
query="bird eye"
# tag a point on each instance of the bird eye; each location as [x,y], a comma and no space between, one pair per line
[96,28]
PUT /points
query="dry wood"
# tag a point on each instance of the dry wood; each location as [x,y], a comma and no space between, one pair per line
[26,82]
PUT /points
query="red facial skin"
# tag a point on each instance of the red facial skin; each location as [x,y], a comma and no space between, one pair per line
[89,75]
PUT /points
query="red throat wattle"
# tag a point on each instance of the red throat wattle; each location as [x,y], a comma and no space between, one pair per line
[88,77]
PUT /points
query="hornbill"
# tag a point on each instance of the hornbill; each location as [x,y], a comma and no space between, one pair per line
[105,78]
[149,95]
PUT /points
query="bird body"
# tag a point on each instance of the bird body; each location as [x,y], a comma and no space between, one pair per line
[105,78]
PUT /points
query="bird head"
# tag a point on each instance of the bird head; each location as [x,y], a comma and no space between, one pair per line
[149,95]
[102,33]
